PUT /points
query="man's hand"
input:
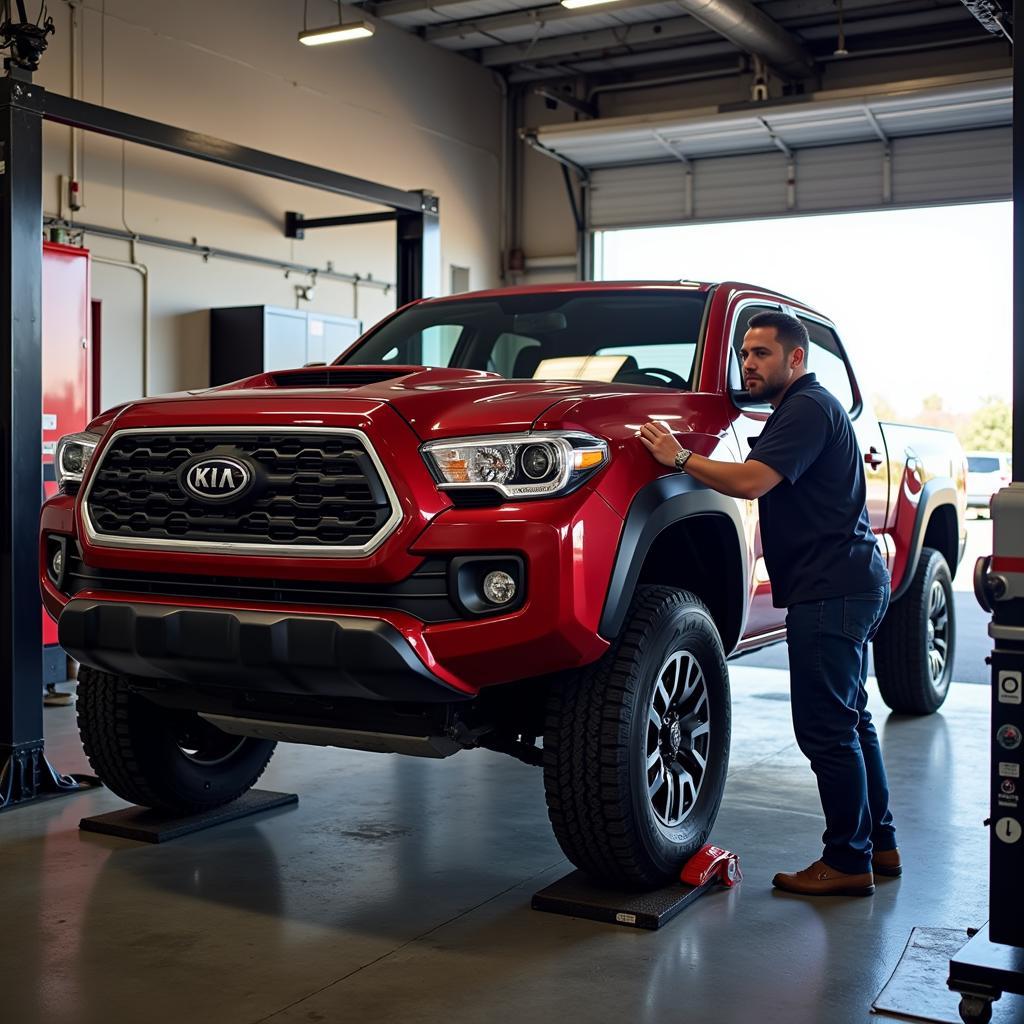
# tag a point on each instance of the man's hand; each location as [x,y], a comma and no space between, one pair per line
[750,479]
[658,440]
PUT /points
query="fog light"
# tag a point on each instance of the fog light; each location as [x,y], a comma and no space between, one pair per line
[57,563]
[499,587]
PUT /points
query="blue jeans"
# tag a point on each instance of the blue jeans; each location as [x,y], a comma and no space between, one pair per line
[828,665]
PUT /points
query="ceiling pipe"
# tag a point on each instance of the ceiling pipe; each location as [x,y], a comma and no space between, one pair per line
[749,28]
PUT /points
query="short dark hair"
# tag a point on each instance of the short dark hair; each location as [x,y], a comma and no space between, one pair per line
[790,332]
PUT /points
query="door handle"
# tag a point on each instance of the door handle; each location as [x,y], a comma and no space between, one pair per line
[872,457]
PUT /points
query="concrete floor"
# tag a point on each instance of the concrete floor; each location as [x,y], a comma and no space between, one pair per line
[399,890]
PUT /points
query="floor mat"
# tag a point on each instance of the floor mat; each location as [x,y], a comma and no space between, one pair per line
[917,989]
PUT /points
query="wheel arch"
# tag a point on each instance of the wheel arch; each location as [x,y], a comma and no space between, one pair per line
[935,526]
[680,534]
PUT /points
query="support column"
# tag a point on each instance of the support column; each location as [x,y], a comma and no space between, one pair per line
[24,772]
[419,252]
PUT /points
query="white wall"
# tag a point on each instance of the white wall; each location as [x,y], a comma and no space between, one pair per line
[390,109]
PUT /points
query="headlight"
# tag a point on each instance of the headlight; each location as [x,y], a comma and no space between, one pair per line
[72,456]
[517,465]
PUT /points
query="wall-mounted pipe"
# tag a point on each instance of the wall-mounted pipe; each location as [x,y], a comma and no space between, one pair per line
[209,252]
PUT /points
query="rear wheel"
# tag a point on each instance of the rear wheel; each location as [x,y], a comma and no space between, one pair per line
[916,642]
[636,748]
[170,760]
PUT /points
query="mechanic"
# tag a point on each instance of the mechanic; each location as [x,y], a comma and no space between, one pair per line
[805,470]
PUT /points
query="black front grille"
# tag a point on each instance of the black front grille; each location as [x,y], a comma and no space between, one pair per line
[423,595]
[315,490]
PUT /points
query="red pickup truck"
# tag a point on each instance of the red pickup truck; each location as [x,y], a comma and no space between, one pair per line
[452,537]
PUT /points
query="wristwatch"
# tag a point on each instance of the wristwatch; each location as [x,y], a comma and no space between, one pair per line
[682,456]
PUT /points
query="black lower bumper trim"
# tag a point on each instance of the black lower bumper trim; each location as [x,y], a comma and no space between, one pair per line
[343,656]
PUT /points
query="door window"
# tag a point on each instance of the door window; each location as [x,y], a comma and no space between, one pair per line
[825,359]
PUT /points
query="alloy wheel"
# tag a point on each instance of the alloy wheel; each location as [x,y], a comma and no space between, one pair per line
[677,739]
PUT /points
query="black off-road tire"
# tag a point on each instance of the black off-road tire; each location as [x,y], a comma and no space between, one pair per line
[135,747]
[596,746]
[904,644]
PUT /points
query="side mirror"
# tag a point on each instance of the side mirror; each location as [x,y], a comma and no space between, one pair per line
[743,399]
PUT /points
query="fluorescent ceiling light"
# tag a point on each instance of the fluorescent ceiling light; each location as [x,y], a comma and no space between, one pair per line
[573,4]
[336,33]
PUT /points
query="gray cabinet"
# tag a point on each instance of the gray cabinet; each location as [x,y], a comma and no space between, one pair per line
[245,340]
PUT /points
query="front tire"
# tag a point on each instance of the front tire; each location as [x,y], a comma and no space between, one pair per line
[916,643]
[636,747]
[172,761]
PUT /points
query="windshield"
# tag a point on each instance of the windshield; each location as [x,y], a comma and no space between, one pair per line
[646,337]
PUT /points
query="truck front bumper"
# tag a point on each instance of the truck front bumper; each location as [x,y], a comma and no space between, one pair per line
[326,656]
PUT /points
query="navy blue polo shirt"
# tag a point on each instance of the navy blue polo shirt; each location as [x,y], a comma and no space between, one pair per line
[815,530]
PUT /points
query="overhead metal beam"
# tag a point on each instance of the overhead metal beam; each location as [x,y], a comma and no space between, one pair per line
[789,13]
[590,42]
[395,8]
[94,118]
[543,15]
[644,34]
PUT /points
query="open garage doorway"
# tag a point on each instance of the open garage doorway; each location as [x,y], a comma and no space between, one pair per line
[921,298]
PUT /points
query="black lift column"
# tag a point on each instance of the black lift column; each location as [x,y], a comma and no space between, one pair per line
[22,764]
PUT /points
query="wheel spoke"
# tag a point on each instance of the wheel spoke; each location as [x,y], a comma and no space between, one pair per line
[655,718]
[677,664]
[700,729]
[653,758]
[660,691]
[656,785]
[690,683]
[670,799]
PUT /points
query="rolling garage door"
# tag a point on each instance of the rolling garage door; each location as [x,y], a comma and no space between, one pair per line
[914,147]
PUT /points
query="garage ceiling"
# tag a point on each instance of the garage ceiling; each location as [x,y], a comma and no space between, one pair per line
[532,41]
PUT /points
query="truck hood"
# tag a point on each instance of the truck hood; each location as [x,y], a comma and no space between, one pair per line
[437,403]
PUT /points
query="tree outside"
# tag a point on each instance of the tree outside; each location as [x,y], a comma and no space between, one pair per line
[990,428]
[987,428]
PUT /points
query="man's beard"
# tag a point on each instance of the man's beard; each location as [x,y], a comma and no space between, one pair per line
[770,390]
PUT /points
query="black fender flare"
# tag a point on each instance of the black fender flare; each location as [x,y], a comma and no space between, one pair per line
[936,493]
[656,507]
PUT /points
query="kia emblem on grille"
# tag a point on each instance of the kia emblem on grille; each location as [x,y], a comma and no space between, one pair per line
[217,479]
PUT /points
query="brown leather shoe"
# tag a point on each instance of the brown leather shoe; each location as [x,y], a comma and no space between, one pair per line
[887,862]
[821,880]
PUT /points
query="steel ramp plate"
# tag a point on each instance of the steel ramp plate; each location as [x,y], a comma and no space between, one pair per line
[148,826]
[577,895]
